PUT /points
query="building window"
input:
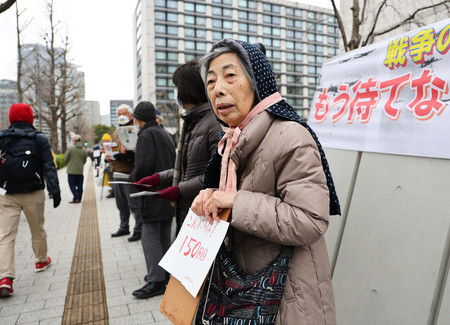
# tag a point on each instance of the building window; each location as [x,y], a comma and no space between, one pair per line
[294,56]
[248,4]
[271,8]
[224,24]
[172,30]
[189,56]
[219,12]
[247,15]
[271,31]
[315,48]
[276,54]
[225,2]
[194,20]
[269,19]
[221,35]
[164,42]
[195,45]
[161,82]
[166,56]
[313,69]
[293,79]
[276,66]
[166,4]
[166,16]
[198,8]
[295,91]
[193,32]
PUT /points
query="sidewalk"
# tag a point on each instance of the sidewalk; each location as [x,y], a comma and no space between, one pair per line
[39,298]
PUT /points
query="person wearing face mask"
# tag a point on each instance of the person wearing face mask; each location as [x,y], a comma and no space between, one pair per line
[198,142]
[123,163]
[155,152]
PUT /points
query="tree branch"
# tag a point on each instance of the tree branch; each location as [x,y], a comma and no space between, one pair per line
[410,18]
[6,5]
[370,35]
[340,24]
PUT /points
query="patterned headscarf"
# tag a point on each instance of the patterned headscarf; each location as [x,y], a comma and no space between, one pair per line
[262,71]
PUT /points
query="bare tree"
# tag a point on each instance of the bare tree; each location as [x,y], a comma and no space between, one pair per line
[366,16]
[19,30]
[56,88]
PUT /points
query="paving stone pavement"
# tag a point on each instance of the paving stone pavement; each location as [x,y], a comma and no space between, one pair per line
[39,298]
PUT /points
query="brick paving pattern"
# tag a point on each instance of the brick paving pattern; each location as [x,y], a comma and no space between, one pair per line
[40,298]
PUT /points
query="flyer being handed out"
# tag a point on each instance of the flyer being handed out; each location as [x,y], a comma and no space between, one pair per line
[192,253]
[128,136]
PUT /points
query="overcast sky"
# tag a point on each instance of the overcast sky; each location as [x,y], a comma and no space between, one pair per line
[101,35]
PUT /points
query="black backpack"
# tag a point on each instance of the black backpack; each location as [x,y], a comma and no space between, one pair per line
[19,161]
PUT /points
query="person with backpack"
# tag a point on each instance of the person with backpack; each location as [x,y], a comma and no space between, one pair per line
[25,160]
[75,158]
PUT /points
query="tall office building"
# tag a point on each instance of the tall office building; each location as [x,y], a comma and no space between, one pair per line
[298,39]
[113,104]
[8,96]
[91,112]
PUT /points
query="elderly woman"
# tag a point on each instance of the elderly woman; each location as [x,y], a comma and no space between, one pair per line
[273,176]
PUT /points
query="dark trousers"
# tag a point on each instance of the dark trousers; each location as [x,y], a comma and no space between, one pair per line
[125,203]
[155,243]
[76,185]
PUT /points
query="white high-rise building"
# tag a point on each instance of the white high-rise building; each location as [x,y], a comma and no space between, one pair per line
[298,39]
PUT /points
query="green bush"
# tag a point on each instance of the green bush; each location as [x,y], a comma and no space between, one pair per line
[60,160]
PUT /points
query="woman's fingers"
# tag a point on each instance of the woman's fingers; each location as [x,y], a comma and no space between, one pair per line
[199,205]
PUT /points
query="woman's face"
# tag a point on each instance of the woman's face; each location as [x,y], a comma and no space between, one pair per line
[229,89]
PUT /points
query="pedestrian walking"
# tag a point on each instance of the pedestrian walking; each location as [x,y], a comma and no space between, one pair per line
[155,152]
[25,160]
[75,158]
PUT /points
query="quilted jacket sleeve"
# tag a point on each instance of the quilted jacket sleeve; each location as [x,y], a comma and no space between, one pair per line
[296,209]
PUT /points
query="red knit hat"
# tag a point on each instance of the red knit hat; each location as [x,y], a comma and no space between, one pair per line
[21,113]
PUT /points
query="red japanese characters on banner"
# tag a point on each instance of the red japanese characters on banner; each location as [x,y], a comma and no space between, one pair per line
[388,97]
[362,98]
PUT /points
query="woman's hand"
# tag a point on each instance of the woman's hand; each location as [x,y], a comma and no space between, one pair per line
[199,205]
[210,203]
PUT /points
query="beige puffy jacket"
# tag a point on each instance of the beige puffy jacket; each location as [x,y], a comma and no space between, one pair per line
[283,199]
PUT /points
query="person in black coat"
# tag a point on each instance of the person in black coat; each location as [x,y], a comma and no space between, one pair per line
[155,152]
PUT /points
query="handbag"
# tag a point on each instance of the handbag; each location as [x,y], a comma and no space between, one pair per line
[233,296]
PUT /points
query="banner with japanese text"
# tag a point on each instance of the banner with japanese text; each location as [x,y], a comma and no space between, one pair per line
[389,97]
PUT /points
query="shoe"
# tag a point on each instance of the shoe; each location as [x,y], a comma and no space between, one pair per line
[75,201]
[120,232]
[136,236]
[39,267]
[6,287]
[151,289]
[110,195]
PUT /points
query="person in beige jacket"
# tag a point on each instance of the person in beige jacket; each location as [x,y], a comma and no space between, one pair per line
[273,176]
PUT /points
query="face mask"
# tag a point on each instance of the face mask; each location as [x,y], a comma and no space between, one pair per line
[123,119]
[175,94]
[136,127]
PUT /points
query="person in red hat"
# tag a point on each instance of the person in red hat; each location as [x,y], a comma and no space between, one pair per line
[25,160]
